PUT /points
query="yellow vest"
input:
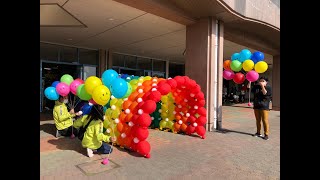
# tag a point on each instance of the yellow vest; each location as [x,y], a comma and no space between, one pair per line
[62,117]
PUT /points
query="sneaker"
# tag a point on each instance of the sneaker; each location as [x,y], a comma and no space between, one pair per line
[89,152]
[257,135]
[266,137]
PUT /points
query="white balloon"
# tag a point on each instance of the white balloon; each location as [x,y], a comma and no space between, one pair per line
[108,130]
[116,121]
[140,111]
[160,110]
[195,107]
[123,135]
[135,140]
[127,111]
[167,119]
[180,122]
[113,107]
[140,91]
[130,124]
[153,89]
[188,114]
[195,124]
[90,104]
[139,100]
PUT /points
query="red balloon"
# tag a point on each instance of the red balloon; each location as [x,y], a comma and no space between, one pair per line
[155,96]
[134,130]
[142,133]
[239,78]
[135,118]
[172,83]
[202,111]
[149,106]
[201,121]
[180,80]
[161,82]
[199,96]
[186,80]
[164,88]
[190,129]
[200,103]
[146,96]
[192,83]
[144,120]
[191,119]
[201,131]
[196,89]
[143,148]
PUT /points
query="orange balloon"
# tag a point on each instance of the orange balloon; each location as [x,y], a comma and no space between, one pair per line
[122,116]
[147,83]
[147,88]
[226,64]
[128,117]
[140,95]
[133,96]
[126,104]
[184,119]
[120,140]
[183,127]
[178,117]
[128,141]
[120,127]
[177,126]
[133,105]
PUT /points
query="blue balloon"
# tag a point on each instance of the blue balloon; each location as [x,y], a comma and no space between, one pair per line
[86,109]
[257,56]
[54,84]
[244,55]
[108,76]
[135,77]
[118,88]
[124,76]
[51,93]
[235,56]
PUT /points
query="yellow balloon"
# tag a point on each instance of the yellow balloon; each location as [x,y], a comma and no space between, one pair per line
[133,82]
[115,113]
[248,65]
[119,103]
[134,87]
[113,102]
[101,95]
[261,67]
[147,78]
[91,83]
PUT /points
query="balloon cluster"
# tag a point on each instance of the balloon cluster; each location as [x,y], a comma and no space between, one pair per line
[177,103]
[252,64]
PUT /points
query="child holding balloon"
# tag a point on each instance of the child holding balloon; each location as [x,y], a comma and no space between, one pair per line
[63,119]
[94,139]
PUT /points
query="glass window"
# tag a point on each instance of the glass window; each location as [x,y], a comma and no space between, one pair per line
[176,70]
[87,56]
[49,52]
[159,65]
[144,63]
[89,71]
[130,62]
[68,54]
[117,60]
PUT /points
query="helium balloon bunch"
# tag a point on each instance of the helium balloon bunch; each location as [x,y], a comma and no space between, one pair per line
[252,64]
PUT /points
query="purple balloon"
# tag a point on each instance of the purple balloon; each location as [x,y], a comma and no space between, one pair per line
[252,76]
[228,74]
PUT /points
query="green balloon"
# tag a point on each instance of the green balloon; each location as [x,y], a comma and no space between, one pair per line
[163,124]
[170,124]
[82,93]
[236,65]
[66,79]
[129,91]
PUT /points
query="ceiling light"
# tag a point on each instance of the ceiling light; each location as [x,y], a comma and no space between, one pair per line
[47,69]
[69,39]
[111,19]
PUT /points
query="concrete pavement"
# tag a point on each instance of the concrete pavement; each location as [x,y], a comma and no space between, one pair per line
[229,154]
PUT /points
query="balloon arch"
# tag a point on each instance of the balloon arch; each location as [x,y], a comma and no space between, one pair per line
[132,104]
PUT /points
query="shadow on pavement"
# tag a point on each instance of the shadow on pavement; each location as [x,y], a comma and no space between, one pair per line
[65,143]
[48,128]
[225,131]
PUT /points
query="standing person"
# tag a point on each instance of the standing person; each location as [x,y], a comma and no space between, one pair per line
[63,119]
[262,96]
[94,140]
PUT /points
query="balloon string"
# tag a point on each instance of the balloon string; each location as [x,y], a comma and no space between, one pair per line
[111,143]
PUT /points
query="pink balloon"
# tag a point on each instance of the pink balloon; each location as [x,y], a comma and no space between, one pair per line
[252,76]
[63,89]
[228,74]
[80,80]
[74,85]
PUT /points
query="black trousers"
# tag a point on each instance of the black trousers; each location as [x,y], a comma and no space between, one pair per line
[68,131]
